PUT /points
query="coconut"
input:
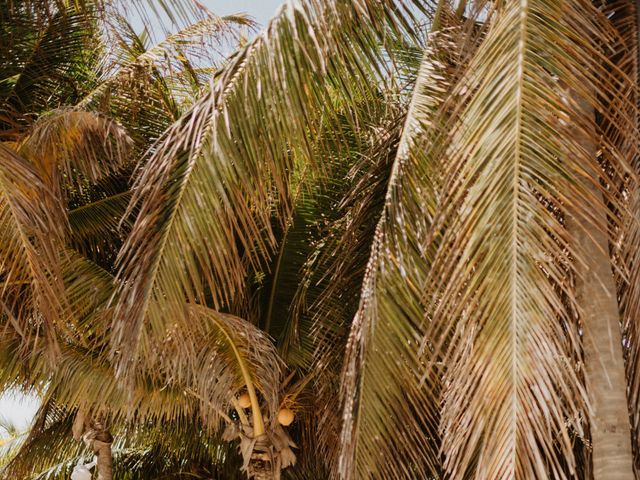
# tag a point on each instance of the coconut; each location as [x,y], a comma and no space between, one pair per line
[244,400]
[285,417]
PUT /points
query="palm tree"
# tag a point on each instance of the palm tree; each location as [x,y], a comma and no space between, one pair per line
[433,237]
[66,164]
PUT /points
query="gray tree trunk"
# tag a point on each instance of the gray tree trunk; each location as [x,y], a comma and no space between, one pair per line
[604,363]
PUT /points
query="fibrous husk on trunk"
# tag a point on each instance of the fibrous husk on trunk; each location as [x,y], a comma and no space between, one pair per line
[264,457]
[92,429]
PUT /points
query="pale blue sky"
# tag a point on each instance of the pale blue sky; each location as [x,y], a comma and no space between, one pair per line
[260,10]
[20,410]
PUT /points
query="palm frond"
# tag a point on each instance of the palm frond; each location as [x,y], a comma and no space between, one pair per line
[167,15]
[220,168]
[281,284]
[97,226]
[237,356]
[205,42]
[140,450]
[502,314]
[88,289]
[169,386]
[344,265]
[46,438]
[215,356]
[42,63]
[176,388]
[147,88]
[330,282]
[624,254]
[385,407]
[32,225]
[11,439]
[72,147]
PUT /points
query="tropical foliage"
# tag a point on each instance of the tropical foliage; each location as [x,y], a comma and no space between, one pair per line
[409,226]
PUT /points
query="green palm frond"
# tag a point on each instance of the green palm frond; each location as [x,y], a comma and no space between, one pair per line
[11,439]
[171,391]
[42,65]
[47,437]
[204,42]
[100,225]
[279,287]
[236,354]
[208,190]
[502,316]
[141,450]
[88,289]
[147,88]
[170,385]
[329,216]
[328,296]
[279,313]
[167,15]
[197,369]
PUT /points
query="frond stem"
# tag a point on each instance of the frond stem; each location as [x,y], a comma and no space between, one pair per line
[258,424]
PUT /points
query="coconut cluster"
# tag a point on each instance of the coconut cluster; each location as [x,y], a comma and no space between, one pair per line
[285,415]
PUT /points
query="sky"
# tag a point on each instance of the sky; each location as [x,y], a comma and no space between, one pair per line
[19,409]
[260,10]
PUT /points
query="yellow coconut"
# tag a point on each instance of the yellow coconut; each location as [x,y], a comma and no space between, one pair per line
[244,400]
[285,417]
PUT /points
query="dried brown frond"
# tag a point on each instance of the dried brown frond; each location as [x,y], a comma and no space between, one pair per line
[501,318]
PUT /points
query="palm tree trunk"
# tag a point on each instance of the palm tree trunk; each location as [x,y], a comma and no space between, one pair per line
[98,438]
[105,460]
[604,363]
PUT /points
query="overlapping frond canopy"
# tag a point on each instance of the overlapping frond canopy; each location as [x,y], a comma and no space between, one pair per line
[625,253]
[208,190]
[71,148]
[100,224]
[170,384]
[329,290]
[71,140]
[195,374]
[212,355]
[442,300]
[315,231]
[48,452]
[163,76]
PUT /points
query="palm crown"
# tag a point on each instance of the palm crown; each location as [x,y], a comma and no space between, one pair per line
[410,224]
